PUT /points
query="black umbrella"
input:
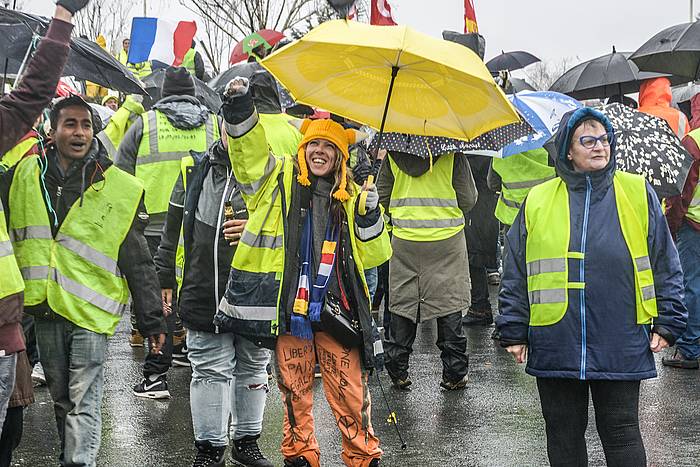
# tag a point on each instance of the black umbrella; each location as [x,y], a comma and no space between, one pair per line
[206,95]
[244,70]
[19,32]
[646,145]
[684,93]
[514,85]
[605,76]
[675,50]
[427,146]
[511,61]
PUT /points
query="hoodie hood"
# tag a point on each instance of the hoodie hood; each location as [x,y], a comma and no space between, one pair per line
[655,92]
[183,112]
[695,111]
[414,166]
[562,143]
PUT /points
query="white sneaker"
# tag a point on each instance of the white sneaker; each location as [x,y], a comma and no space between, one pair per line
[38,377]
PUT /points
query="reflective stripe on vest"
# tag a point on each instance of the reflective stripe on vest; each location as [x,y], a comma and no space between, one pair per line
[11,281]
[682,121]
[76,272]
[425,208]
[108,144]
[161,149]
[694,208]
[547,255]
[519,174]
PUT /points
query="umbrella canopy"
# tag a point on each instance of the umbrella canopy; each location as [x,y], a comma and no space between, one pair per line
[646,145]
[511,61]
[684,93]
[264,37]
[392,76]
[674,50]
[245,70]
[86,60]
[543,110]
[206,95]
[487,144]
[516,85]
[605,76]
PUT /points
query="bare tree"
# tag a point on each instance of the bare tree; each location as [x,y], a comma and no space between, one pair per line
[109,18]
[239,18]
[543,74]
[217,42]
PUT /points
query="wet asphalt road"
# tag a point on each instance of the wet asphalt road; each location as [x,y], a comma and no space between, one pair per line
[495,421]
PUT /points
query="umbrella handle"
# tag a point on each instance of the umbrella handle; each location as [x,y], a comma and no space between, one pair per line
[362,201]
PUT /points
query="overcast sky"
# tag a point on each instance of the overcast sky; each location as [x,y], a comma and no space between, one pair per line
[550,29]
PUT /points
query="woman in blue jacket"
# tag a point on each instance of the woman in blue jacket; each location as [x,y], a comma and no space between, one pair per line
[592,287]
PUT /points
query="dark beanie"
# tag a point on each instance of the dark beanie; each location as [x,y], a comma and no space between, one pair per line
[178,82]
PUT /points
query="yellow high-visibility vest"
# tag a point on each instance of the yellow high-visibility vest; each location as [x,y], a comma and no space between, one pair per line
[547,247]
[76,272]
[12,281]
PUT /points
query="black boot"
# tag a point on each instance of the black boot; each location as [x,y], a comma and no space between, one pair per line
[208,455]
[246,453]
[477,318]
[297,462]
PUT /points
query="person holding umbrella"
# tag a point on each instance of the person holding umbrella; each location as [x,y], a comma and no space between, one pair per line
[592,287]
[297,282]
[655,99]
[18,112]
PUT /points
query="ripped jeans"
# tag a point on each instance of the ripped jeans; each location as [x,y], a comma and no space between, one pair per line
[228,377]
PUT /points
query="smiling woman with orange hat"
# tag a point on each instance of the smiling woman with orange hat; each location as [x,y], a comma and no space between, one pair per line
[297,282]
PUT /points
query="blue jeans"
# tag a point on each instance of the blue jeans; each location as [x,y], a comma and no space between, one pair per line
[371,277]
[8,364]
[73,359]
[689,252]
[229,376]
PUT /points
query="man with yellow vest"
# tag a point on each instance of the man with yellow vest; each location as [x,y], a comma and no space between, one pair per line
[193,62]
[514,177]
[120,122]
[429,271]
[683,217]
[140,70]
[152,150]
[592,288]
[76,223]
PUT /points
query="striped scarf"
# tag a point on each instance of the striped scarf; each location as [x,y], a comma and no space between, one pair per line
[308,302]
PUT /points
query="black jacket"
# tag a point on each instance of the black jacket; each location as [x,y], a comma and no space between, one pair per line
[198,300]
[134,261]
[481,227]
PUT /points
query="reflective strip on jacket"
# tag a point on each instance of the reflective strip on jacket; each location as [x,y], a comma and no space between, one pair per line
[547,255]
[11,282]
[424,208]
[76,272]
[161,149]
[519,174]
[258,265]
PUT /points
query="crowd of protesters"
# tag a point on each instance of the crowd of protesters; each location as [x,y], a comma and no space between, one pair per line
[250,245]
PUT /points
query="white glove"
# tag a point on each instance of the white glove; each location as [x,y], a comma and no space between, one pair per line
[237,87]
[372,198]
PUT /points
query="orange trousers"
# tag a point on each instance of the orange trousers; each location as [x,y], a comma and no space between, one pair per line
[345,387]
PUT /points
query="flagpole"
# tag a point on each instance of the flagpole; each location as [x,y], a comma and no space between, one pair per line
[145,9]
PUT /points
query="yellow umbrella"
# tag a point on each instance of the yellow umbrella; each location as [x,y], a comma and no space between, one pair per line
[436,87]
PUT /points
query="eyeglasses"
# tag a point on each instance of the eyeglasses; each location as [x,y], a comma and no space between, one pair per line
[589,142]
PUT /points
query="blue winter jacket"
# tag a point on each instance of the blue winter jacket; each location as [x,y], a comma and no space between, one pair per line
[598,337]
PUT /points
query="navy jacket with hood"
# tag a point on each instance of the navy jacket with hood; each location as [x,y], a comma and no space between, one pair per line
[598,337]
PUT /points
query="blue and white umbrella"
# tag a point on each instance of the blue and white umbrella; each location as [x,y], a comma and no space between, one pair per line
[543,111]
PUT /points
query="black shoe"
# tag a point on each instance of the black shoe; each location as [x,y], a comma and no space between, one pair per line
[374,462]
[680,361]
[477,318]
[245,452]
[208,455]
[455,385]
[152,389]
[496,335]
[297,462]
[180,355]
[400,383]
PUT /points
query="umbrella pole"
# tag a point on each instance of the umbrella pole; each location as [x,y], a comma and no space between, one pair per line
[394,72]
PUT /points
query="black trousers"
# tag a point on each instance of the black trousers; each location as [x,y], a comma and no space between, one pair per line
[450,340]
[11,434]
[565,409]
[480,288]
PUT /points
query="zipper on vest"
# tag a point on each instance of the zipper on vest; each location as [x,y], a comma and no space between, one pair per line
[582,277]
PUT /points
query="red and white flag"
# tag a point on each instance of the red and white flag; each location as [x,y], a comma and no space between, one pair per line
[470,17]
[381,13]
